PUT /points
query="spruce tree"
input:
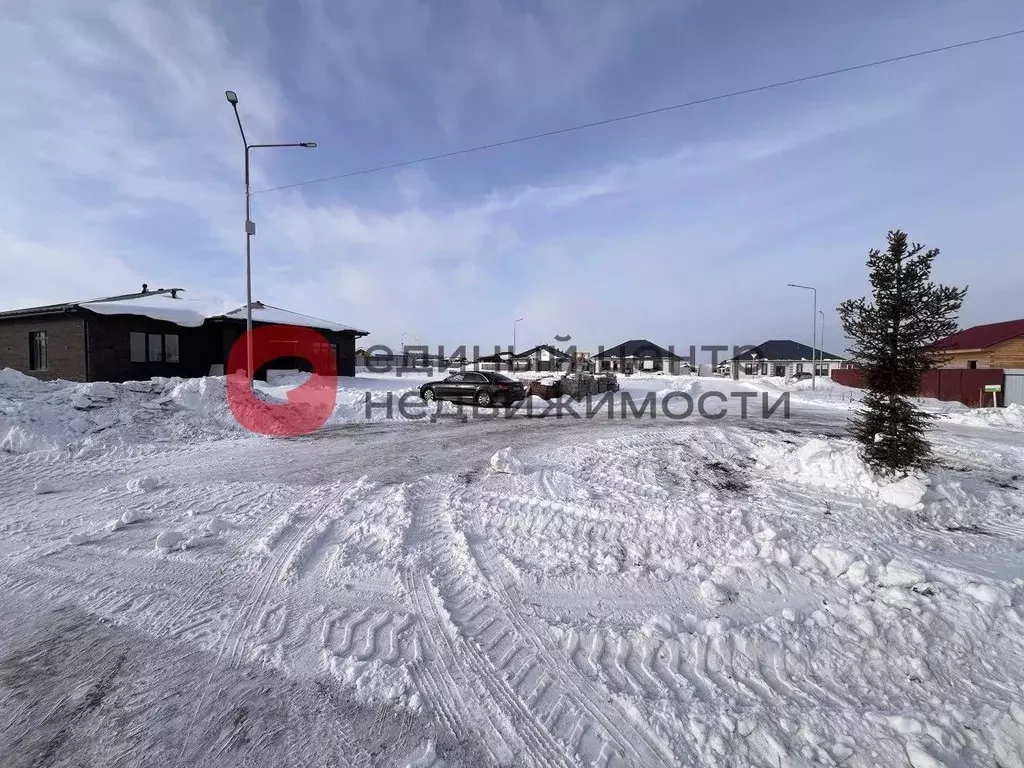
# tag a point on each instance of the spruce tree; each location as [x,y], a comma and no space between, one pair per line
[893,342]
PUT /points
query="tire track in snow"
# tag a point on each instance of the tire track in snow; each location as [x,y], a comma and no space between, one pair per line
[235,639]
[613,729]
[505,714]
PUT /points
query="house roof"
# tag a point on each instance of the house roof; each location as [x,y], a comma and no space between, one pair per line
[635,348]
[783,349]
[265,313]
[981,336]
[168,304]
[67,306]
[497,357]
[538,348]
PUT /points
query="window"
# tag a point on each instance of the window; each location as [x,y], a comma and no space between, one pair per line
[156,348]
[764,368]
[972,363]
[37,357]
[171,348]
[476,378]
[456,377]
[748,369]
[137,343]
[799,367]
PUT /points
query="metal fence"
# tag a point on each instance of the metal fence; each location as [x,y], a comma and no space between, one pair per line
[963,385]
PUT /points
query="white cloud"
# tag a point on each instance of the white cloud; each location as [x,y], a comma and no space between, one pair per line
[124,166]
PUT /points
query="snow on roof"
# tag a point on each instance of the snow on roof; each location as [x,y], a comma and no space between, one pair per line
[264,313]
[193,312]
[188,312]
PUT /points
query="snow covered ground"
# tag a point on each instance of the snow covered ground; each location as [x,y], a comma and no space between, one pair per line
[490,591]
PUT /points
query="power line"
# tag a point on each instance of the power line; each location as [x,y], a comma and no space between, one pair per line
[645,113]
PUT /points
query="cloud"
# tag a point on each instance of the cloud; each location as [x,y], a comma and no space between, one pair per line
[123,165]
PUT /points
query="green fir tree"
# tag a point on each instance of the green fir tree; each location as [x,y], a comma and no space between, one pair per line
[893,343]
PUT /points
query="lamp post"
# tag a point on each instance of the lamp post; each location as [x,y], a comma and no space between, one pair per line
[814,330]
[821,338]
[401,344]
[514,334]
[250,226]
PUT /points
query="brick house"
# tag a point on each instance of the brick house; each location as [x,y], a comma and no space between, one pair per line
[152,333]
[996,345]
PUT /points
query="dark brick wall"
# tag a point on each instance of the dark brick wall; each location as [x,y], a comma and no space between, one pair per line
[90,347]
[346,353]
[345,342]
[110,349]
[65,345]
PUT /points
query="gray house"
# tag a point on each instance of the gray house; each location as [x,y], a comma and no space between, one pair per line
[781,357]
[639,355]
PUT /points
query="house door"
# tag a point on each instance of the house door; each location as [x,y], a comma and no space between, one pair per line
[780,370]
[1013,386]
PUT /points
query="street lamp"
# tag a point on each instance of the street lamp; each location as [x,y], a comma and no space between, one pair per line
[814,330]
[821,338]
[250,227]
[514,334]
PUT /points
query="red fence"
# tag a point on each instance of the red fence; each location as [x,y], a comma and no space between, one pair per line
[965,385]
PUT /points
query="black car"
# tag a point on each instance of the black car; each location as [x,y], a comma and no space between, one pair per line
[482,388]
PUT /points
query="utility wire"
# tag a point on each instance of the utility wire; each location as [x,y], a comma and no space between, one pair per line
[645,113]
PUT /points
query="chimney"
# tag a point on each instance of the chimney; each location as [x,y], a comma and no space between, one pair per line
[145,288]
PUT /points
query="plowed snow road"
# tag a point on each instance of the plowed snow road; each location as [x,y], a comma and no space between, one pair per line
[637,593]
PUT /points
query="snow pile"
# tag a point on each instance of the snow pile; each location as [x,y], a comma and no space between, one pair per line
[905,494]
[74,417]
[169,541]
[506,461]
[837,466]
[144,484]
[1010,417]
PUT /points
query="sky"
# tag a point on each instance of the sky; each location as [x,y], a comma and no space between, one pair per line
[122,163]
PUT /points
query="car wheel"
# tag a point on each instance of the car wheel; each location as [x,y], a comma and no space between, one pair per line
[428,395]
[483,399]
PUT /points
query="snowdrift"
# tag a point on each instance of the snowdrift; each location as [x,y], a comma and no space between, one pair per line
[837,465]
[73,417]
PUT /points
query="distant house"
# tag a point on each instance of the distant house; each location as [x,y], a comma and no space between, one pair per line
[543,357]
[151,333]
[996,345]
[639,355]
[499,361]
[781,357]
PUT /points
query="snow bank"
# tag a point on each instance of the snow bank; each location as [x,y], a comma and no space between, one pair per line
[837,465]
[1010,417]
[63,416]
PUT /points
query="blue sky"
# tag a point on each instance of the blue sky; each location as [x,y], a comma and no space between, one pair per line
[122,162]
